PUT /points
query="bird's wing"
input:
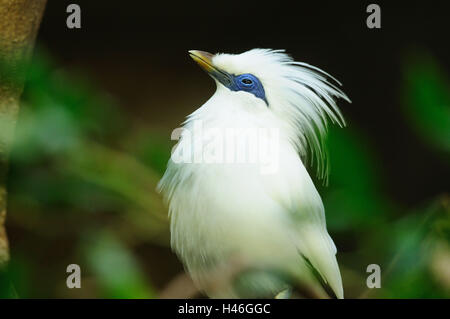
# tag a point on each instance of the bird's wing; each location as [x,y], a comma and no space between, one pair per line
[294,190]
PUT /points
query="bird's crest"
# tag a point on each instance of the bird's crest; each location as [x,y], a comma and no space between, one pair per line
[302,95]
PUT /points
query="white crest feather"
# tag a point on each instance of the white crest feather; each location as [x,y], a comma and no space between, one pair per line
[303,95]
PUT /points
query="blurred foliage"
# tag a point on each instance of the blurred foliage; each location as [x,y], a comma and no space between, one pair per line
[82,190]
[413,252]
[427,100]
[126,279]
[73,172]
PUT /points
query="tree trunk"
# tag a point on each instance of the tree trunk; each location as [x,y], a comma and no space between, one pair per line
[19,22]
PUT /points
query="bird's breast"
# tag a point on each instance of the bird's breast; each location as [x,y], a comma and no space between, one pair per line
[225,196]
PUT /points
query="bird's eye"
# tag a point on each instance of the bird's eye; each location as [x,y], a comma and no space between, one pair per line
[247,81]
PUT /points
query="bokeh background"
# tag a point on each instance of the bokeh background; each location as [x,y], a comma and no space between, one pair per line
[100,103]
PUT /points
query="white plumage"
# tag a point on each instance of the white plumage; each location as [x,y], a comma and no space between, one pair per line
[240,231]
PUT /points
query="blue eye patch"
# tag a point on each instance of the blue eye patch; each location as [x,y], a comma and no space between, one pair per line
[248,83]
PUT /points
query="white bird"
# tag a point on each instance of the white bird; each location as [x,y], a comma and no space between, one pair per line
[254,226]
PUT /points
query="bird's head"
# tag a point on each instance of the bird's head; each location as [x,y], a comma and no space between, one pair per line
[300,95]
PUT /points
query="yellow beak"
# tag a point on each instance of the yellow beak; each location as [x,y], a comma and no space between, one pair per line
[204,59]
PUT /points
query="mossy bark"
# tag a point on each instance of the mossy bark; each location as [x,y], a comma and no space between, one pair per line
[19,23]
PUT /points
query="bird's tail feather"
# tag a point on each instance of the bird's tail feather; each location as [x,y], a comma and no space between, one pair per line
[318,250]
